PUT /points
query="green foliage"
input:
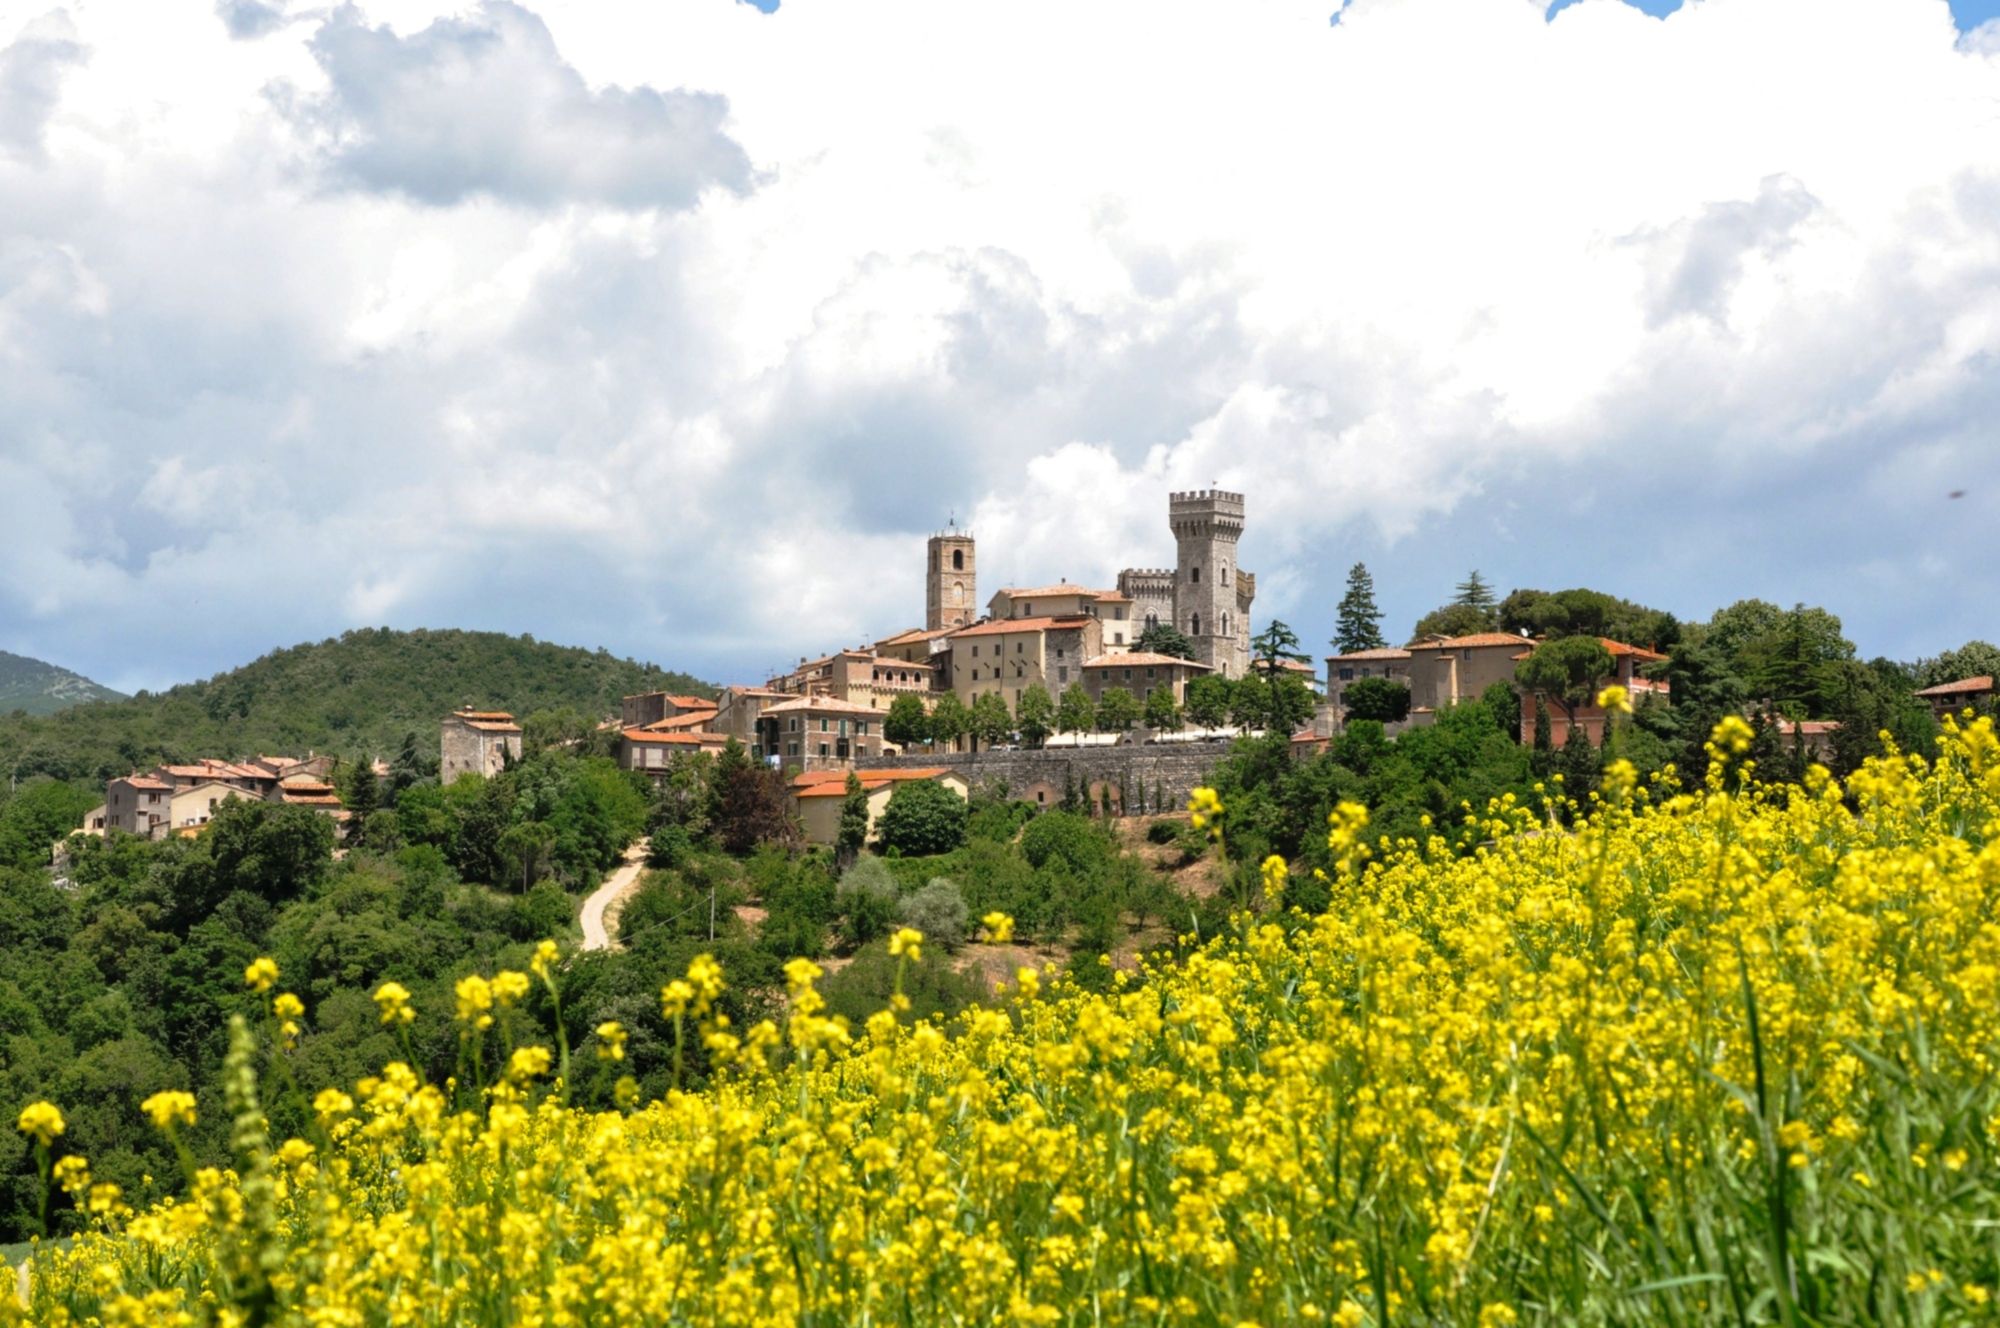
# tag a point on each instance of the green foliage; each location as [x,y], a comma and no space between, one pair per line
[937,909]
[988,721]
[1378,699]
[40,812]
[668,847]
[1568,669]
[907,722]
[751,807]
[868,900]
[1209,700]
[853,832]
[1474,592]
[1588,613]
[1974,659]
[931,985]
[1118,710]
[1453,620]
[1163,713]
[1066,837]
[358,696]
[923,818]
[1290,703]
[1076,714]
[1357,621]
[37,688]
[950,720]
[1275,644]
[1035,715]
[1250,702]
[1165,639]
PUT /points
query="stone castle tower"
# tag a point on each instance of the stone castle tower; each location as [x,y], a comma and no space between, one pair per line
[951,583]
[1211,595]
[1151,591]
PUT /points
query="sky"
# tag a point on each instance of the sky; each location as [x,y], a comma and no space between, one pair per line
[675,326]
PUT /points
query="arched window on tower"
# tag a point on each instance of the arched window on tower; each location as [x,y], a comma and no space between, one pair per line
[1194,624]
[958,560]
[1194,575]
[1152,621]
[1225,574]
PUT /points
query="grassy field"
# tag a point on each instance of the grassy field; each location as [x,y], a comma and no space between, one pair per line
[1718,1055]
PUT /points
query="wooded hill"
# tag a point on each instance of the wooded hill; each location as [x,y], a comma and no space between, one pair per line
[42,689]
[354,696]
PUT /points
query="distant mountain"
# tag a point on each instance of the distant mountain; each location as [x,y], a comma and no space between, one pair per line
[354,696]
[42,689]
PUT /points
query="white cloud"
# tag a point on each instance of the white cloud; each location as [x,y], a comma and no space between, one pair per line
[677,326]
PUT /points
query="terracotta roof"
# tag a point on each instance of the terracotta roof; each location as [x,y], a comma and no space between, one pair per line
[833,783]
[489,726]
[680,723]
[484,714]
[1473,642]
[915,634]
[311,799]
[1063,588]
[1144,657]
[820,703]
[1618,648]
[1983,683]
[692,702]
[671,737]
[148,783]
[303,784]
[1289,665]
[1112,595]
[1387,652]
[754,691]
[1002,626]
[1811,727]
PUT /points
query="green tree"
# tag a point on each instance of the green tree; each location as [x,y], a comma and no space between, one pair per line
[411,766]
[1292,703]
[1358,622]
[526,849]
[907,723]
[1163,713]
[1453,620]
[1165,639]
[1076,714]
[1378,699]
[1974,659]
[1568,669]
[755,809]
[360,791]
[989,721]
[1274,645]
[1118,710]
[853,817]
[950,720]
[923,818]
[40,812]
[1035,715]
[1250,702]
[1583,612]
[1793,667]
[1474,593]
[1209,699]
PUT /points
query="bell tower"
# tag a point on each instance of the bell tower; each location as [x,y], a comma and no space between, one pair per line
[951,583]
[1207,523]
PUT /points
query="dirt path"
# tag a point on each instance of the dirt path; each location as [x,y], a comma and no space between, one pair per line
[615,885]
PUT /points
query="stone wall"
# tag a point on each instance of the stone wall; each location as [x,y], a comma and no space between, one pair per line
[1139,778]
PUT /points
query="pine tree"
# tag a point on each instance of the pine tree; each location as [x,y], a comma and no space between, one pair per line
[853,818]
[1473,592]
[1359,623]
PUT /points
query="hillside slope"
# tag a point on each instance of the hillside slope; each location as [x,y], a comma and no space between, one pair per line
[354,696]
[42,689]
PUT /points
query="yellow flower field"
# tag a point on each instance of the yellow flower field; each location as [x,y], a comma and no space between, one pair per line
[1707,1057]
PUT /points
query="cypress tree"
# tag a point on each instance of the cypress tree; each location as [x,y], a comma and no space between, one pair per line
[1358,624]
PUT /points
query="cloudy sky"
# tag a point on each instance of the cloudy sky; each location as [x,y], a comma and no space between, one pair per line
[674,326]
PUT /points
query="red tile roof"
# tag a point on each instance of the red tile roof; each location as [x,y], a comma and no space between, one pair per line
[1389,652]
[1963,687]
[1475,641]
[1141,657]
[1002,626]
[830,704]
[1062,588]
[671,737]
[148,783]
[833,783]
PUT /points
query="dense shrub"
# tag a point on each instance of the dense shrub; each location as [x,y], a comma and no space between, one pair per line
[923,818]
[938,911]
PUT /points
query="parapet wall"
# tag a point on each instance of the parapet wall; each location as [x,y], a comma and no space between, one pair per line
[1139,777]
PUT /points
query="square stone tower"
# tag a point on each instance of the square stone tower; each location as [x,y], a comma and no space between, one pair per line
[951,581]
[1210,601]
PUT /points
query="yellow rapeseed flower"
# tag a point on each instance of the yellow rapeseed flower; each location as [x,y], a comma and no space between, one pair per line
[907,941]
[1615,700]
[261,975]
[999,928]
[475,999]
[611,1041]
[42,1121]
[288,1006]
[169,1108]
[394,1000]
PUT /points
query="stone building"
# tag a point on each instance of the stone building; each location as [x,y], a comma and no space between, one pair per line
[951,581]
[1010,655]
[818,733]
[1151,590]
[1447,670]
[477,742]
[650,708]
[1212,595]
[1344,670]
[1139,672]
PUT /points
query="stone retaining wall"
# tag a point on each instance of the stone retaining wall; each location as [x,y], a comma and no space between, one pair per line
[1140,779]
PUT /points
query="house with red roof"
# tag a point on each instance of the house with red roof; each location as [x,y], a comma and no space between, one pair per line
[1950,698]
[1626,663]
[817,796]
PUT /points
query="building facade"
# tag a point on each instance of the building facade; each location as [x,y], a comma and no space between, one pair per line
[1342,671]
[818,733]
[1447,670]
[1139,672]
[1010,655]
[477,742]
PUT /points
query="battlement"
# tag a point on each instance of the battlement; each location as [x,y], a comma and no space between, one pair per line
[956,533]
[1206,514]
[1205,498]
[1135,575]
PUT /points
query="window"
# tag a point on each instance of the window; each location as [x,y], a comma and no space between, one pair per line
[1347,674]
[1225,574]
[1194,575]
[826,726]
[1466,654]
[975,652]
[1059,652]
[1128,675]
[791,749]
[1149,673]
[1017,647]
[958,560]
[1119,614]
[823,751]
[1152,621]
[1062,674]
[1194,624]
[1118,638]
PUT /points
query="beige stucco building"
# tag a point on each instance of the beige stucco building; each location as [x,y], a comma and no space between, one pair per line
[1139,672]
[817,797]
[1010,655]
[1447,670]
[1344,670]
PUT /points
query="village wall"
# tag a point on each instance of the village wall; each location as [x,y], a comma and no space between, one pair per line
[1140,778]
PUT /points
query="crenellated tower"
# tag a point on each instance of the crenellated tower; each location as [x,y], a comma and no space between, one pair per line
[1211,597]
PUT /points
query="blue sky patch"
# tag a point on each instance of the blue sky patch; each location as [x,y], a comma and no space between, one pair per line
[1968,14]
